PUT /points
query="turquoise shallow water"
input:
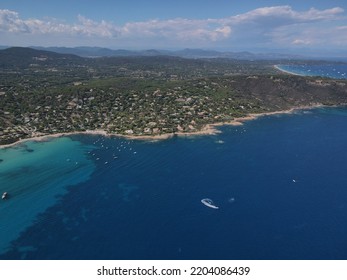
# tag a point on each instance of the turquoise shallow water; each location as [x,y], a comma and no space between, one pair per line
[280,184]
[36,175]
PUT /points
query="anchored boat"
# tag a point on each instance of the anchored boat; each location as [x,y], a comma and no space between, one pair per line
[4,195]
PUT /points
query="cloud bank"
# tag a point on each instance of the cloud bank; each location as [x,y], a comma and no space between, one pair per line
[268,26]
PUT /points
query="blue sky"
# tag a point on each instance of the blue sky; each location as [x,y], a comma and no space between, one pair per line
[211,24]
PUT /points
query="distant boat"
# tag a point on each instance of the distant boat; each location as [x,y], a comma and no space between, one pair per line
[4,195]
[209,203]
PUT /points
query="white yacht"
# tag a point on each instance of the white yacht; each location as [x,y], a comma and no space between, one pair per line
[209,203]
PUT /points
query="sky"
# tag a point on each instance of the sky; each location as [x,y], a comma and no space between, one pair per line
[284,26]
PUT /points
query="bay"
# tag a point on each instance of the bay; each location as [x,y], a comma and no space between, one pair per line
[279,182]
[333,70]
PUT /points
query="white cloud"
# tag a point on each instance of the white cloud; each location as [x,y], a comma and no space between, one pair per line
[181,29]
[282,27]
[285,15]
[311,35]
[301,42]
[279,25]
[10,21]
[92,28]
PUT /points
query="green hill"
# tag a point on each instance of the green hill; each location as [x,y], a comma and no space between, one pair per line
[18,57]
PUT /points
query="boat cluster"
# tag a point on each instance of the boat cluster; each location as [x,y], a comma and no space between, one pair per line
[113,150]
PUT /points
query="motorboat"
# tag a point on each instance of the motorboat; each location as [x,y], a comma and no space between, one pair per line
[209,203]
[4,195]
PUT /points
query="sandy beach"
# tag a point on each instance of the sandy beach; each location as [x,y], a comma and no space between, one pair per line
[285,71]
[209,129]
[47,137]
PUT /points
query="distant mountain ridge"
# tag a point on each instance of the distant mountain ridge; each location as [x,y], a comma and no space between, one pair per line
[23,57]
[185,53]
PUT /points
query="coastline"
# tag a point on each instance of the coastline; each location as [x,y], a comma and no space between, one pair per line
[287,72]
[250,117]
[209,129]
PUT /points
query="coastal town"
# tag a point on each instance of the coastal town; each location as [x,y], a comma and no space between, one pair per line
[148,97]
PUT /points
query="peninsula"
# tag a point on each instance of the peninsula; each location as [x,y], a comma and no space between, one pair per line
[45,93]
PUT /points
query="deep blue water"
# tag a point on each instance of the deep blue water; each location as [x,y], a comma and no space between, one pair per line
[336,71]
[280,183]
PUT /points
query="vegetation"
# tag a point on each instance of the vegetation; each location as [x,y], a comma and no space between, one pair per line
[44,93]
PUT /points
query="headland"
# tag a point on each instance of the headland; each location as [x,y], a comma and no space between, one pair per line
[209,129]
[146,98]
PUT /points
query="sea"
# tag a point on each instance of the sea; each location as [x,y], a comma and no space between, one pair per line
[328,70]
[279,183]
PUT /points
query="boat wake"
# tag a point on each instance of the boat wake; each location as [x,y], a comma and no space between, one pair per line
[209,203]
